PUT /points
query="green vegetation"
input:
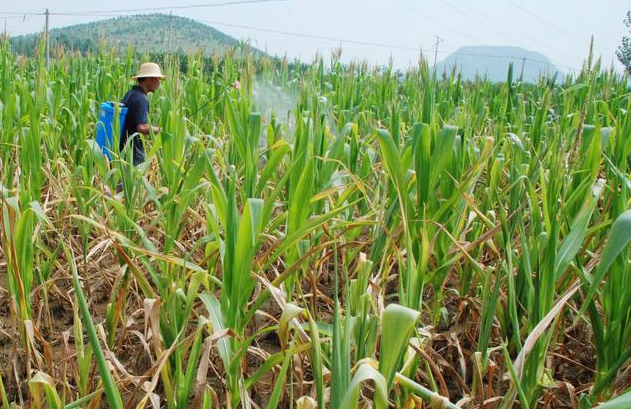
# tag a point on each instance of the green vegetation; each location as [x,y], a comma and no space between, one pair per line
[624,50]
[148,33]
[394,239]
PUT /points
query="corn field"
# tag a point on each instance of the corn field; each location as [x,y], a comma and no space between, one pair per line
[382,239]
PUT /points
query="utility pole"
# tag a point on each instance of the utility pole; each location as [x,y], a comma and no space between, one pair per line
[170,31]
[523,63]
[47,39]
[438,41]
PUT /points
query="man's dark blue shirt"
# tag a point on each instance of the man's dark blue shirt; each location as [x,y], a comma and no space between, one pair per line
[137,111]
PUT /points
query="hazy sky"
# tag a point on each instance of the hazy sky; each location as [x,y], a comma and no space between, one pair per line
[560,29]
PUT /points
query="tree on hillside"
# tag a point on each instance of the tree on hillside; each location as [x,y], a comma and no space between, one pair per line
[624,51]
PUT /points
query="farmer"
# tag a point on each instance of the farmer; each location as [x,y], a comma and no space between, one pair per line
[138,109]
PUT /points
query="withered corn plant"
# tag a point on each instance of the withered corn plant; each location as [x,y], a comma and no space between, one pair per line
[325,235]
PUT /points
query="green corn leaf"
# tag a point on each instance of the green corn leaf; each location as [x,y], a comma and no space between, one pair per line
[421,134]
[391,159]
[316,359]
[3,395]
[299,207]
[434,399]
[442,153]
[280,382]
[397,323]
[83,401]
[621,402]
[365,372]
[619,237]
[265,368]
[214,308]
[572,242]
[290,312]
[43,382]
[243,253]
[111,391]
[279,151]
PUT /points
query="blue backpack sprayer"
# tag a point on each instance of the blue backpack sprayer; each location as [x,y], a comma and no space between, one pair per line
[105,127]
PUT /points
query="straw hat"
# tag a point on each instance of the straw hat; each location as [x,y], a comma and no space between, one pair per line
[149,70]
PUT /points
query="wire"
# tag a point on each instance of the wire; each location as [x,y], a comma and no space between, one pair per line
[587,24]
[509,30]
[373,44]
[22,17]
[88,15]
[447,26]
[16,13]
[212,100]
[468,35]
[192,6]
[140,10]
[295,34]
[552,25]
[317,37]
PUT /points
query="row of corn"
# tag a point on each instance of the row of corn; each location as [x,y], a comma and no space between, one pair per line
[395,238]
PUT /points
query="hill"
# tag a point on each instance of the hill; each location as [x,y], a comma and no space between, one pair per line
[147,33]
[492,62]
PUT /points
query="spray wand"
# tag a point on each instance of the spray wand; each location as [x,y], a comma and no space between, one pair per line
[236,85]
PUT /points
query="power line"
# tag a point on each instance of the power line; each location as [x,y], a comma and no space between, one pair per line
[373,44]
[313,36]
[88,15]
[21,17]
[16,13]
[150,9]
[288,33]
[554,26]
[536,16]
[509,30]
[192,6]
[584,22]
[467,35]
[447,26]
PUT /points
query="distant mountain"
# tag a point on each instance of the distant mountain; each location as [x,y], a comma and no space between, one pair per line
[492,62]
[146,33]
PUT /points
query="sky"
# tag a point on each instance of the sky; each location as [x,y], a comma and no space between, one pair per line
[396,29]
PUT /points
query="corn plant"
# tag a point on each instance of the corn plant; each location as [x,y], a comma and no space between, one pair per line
[385,238]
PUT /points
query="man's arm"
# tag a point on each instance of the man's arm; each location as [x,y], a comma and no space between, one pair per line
[144,129]
[142,113]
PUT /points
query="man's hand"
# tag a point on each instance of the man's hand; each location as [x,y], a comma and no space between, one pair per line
[144,129]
